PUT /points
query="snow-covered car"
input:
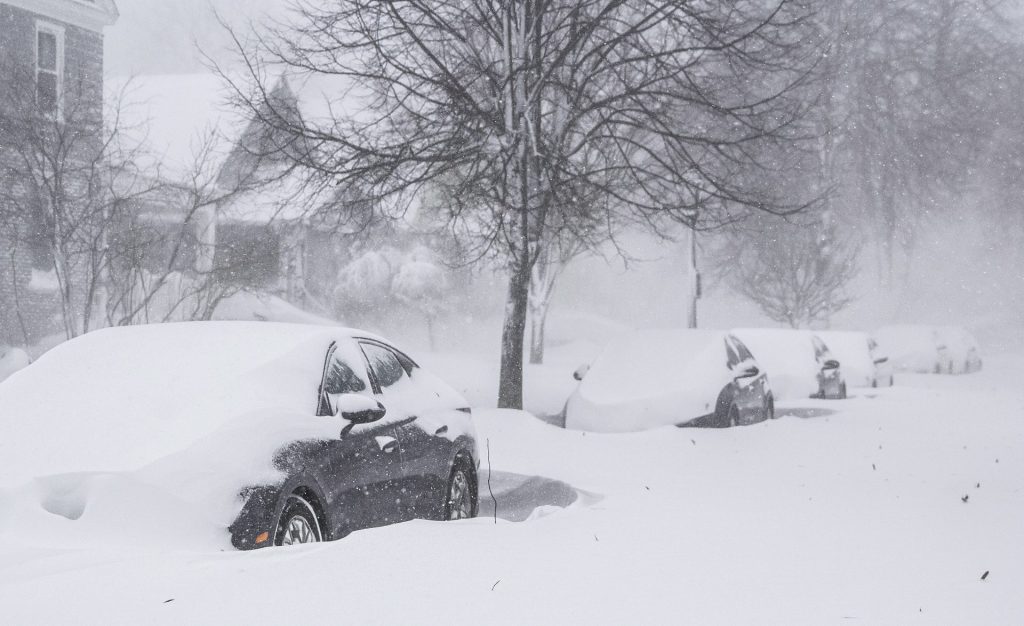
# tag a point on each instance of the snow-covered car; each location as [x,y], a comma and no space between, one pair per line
[863,362]
[269,433]
[962,349]
[12,360]
[798,361]
[653,378]
[915,348]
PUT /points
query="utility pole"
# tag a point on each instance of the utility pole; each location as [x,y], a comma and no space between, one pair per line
[694,280]
[692,274]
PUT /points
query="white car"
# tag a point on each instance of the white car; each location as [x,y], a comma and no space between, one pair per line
[863,361]
[916,348]
[653,378]
[964,352]
[799,363]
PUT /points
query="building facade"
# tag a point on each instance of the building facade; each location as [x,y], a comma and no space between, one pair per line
[51,75]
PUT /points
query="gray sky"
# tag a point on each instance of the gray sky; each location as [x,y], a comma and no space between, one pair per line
[158,36]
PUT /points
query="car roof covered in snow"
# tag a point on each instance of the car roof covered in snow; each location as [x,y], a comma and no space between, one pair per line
[118,398]
[646,362]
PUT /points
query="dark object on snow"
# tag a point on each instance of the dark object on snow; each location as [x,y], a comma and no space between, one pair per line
[377,471]
[985,575]
[964,499]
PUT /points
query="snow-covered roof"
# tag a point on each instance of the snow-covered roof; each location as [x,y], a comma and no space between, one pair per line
[651,378]
[131,395]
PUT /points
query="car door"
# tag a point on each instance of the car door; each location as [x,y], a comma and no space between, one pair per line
[423,430]
[363,465]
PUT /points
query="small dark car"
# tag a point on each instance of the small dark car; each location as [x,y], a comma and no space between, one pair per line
[267,434]
[377,471]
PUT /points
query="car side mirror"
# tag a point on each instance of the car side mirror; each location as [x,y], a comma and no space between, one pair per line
[581,371]
[830,364]
[748,372]
[359,409]
[881,360]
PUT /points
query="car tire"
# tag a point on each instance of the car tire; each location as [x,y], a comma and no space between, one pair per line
[298,523]
[460,501]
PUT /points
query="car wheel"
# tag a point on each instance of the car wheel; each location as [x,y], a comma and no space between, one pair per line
[459,502]
[298,523]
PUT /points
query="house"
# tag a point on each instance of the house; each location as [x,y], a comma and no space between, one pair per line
[270,226]
[51,74]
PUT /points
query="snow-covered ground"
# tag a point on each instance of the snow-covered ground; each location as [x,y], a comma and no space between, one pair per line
[885,508]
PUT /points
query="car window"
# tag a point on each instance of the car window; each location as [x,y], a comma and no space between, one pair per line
[742,350]
[384,363]
[341,378]
[732,358]
[820,349]
[342,374]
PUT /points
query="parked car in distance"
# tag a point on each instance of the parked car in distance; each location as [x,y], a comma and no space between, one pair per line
[831,378]
[653,378]
[964,352]
[864,364]
[915,348]
[799,363]
[275,433]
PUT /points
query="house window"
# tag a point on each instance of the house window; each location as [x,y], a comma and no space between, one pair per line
[49,67]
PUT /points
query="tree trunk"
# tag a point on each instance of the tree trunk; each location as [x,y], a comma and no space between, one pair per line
[538,321]
[513,334]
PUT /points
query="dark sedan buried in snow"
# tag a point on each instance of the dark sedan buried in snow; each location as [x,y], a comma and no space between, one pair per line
[656,378]
[279,434]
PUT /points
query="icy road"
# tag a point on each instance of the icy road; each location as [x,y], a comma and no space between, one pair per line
[898,506]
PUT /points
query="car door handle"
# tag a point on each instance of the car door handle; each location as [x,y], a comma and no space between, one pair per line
[387,444]
[440,431]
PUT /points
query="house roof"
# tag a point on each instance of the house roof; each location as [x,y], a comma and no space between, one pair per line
[180,116]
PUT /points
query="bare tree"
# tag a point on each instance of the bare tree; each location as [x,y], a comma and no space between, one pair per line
[797,272]
[66,174]
[506,106]
[906,90]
